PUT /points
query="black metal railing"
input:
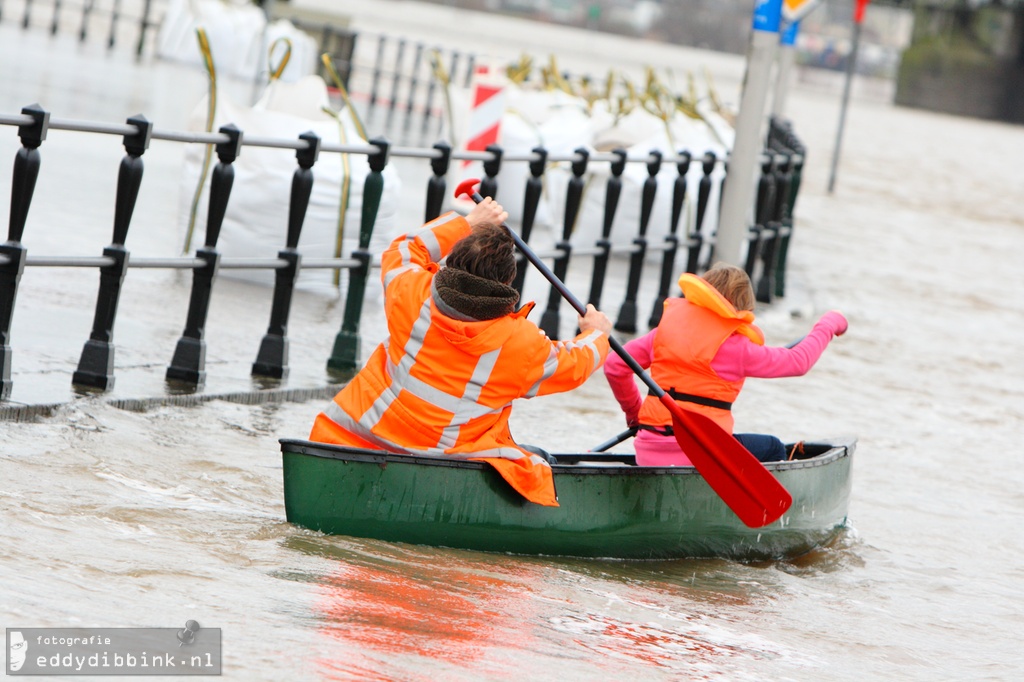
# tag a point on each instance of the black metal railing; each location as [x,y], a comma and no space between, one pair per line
[108,18]
[768,244]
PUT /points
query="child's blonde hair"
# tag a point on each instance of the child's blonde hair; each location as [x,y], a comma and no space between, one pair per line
[733,283]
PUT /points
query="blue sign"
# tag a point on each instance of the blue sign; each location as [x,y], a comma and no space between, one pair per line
[789,35]
[767,15]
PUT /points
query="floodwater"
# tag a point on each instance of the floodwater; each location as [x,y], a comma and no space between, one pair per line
[120,518]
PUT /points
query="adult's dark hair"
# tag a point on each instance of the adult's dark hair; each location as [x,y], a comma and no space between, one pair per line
[488,252]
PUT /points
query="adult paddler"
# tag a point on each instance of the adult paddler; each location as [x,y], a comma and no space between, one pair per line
[458,354]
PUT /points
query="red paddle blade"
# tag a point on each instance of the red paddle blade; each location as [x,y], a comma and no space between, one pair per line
[750,490]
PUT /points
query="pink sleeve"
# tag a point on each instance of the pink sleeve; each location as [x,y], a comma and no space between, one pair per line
[739,357]
[620,376]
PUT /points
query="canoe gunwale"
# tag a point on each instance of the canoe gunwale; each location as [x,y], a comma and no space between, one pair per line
[837,449]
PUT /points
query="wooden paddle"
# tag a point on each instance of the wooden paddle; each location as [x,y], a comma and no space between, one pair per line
[750,490]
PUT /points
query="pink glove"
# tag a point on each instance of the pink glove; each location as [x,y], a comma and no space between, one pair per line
[835,321]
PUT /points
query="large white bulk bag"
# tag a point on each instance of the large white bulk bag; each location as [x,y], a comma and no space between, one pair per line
[256,221]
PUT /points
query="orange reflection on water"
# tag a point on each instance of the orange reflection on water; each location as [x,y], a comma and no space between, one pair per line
[445,614]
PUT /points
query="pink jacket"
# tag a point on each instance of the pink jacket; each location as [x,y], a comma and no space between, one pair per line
[738,358]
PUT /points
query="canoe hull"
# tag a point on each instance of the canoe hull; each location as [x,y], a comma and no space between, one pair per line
[606,510]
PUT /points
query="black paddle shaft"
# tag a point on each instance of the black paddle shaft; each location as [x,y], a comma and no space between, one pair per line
[608,444]
[575,303]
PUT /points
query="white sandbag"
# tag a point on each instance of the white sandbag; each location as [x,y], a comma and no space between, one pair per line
[256,221]
[305,51]
[234,30]
[686,134]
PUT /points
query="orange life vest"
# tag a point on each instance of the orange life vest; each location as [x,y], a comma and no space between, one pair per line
[691,331]
[444,386]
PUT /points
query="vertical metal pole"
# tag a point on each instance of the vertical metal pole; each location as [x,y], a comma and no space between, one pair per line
[114,17]
[613,189]
[770,249]
[23,184]
[188,365]
[344,358]
[436,185]
[668,261]
[396,78]
[413,84]
[428,103]
[626,321]
[86,11]
[96,364]
[272,358]
[143,27]
[54,22]
[703,196]
[550,320]
[787,224]
[858,18]
[765,194]
[376,73]
[489,185]
[531,201]
[738,194]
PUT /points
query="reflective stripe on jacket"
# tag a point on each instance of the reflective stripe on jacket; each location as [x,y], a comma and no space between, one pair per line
[444,386]
[691,331]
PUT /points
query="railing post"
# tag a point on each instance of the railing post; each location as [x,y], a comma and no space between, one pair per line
[87,8]
[436,185]
[23,185]
[453,65]
[489,185]
[54,20]
[115,15]
[413,84]
[765,199]
[776,218]
[531,200]
[703,194]
[626,321]
[549,321]
[396,79]
[143,27]
[344,358]
[668,261]
[96,364]
[189,361]
[381,41]
[613,189]
[787,224]
[272,358]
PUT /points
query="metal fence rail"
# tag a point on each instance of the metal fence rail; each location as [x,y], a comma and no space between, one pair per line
[768,237]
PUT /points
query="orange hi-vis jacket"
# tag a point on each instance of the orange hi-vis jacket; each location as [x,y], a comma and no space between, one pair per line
[444,386]
[691,331]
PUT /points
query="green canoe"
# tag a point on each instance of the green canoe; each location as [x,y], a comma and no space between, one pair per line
[609,507]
